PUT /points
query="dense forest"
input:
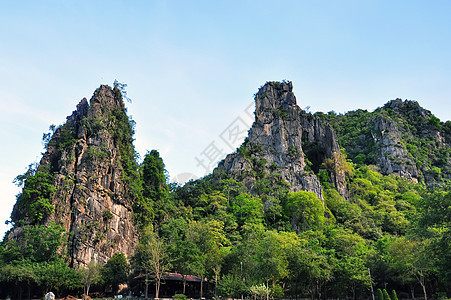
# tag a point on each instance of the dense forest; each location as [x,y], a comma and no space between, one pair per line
[388,236]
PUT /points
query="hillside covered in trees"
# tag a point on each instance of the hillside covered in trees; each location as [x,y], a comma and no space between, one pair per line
[318,206]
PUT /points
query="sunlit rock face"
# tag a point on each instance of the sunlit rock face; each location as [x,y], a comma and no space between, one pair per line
[280,143]
[91,199]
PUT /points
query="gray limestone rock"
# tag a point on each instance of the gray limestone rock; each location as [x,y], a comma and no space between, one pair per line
[91,200]
[275,143]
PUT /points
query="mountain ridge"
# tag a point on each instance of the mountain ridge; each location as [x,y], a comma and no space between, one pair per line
[304,192]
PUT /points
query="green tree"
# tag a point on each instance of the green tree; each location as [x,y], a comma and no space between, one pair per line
[34,204]
[16,277]
[38,243]
[309,267]
[90,275]
[305,210]
[57,276]
[207,239]
[231,286]
[247,209]
[262,291]
[181,251]
[411,261]
[271,260]
[155,188]
[151,258]
[435,225]
[115,271]
[231,187]
[348,253]
[37,253]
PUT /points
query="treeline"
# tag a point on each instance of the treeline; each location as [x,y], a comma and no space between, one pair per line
[390,233]
[37,263]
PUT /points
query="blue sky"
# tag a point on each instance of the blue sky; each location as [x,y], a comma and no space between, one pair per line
[193,66]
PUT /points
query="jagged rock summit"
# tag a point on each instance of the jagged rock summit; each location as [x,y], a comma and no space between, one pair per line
[400,138]
[280,141]
[411,142]
[87,162]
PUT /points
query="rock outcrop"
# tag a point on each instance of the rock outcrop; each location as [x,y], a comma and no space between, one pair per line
[320,144]
[87,159]
[400,138]
[276,140]
[392,156]
[413,143]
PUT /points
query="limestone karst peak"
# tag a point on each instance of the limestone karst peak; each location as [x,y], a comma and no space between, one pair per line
[280,140]
[89,162]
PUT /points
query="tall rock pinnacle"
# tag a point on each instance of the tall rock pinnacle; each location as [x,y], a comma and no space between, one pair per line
[88,161]
[275,143]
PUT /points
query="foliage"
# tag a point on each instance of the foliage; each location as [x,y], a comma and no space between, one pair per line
[261,238]
[115,271]
[38,243]
[35,201]
[155,192]
[35,258]
[179,297]
[379,295]
[435,225]
[385,294]
[90,275]
[151,259]
[261,291]
[247,209]
[231,286]
[305,210]
[57,275]
[318,245]
[394,296]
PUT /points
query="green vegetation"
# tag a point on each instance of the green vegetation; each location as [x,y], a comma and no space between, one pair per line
[91,275]
[258,241]
[115,271]
[36,261]
[359,131]
[150,258]
[319,247]
[35,202]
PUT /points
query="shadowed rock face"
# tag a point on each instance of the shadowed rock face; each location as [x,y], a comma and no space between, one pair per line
[393,158]
[275,143]
[91,199]
[404,122]
[400,138]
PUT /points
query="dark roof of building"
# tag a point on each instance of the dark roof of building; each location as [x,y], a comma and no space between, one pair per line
[175,276]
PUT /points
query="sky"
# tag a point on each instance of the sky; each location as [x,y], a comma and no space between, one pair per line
[192,67]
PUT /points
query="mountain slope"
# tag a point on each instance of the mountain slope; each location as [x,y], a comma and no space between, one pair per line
[83,181]
[401,138]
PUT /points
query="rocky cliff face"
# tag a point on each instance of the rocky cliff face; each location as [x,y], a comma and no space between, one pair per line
[320,144]
[281,142]
[413,143]
[87,159]
[392,156]
[400,138]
